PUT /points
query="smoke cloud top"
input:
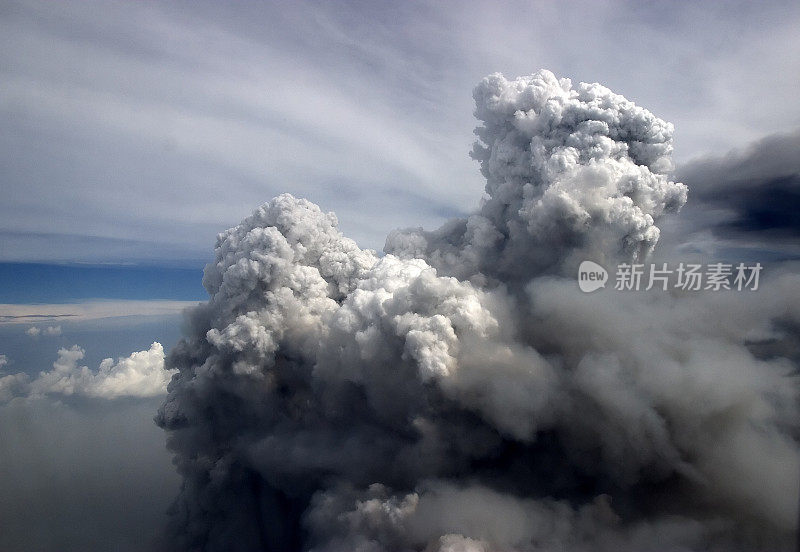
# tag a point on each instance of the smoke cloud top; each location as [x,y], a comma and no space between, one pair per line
[570,172]
[460,394]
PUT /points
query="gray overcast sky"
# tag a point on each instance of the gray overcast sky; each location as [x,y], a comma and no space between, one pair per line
[137,131]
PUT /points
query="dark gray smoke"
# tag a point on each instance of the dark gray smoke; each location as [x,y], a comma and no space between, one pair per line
[460,394]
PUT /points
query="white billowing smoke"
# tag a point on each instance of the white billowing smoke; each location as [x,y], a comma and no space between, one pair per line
[141,374]
[458,394]
[570,173]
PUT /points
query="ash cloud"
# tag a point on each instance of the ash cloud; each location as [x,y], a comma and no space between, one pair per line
[460,394]
[570,173]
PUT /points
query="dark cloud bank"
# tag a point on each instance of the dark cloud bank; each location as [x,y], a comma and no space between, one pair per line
[749,199]
[461,394]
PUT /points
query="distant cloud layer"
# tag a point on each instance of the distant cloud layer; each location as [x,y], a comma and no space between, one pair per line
[35,331]
[460,393]
[87,310]
[142,374]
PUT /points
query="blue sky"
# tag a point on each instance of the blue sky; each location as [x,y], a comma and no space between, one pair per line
[53,283]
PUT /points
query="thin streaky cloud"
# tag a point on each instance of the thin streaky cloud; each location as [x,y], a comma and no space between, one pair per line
[90,310]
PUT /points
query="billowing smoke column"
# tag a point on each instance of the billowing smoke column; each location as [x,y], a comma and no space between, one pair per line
[570,173]
[458,394]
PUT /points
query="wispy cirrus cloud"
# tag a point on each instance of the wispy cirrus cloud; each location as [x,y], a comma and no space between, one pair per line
[124,131]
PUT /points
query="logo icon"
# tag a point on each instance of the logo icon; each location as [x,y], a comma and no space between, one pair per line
[591,276]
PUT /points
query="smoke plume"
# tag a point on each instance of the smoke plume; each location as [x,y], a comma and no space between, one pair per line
[460,394]
[570,173]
